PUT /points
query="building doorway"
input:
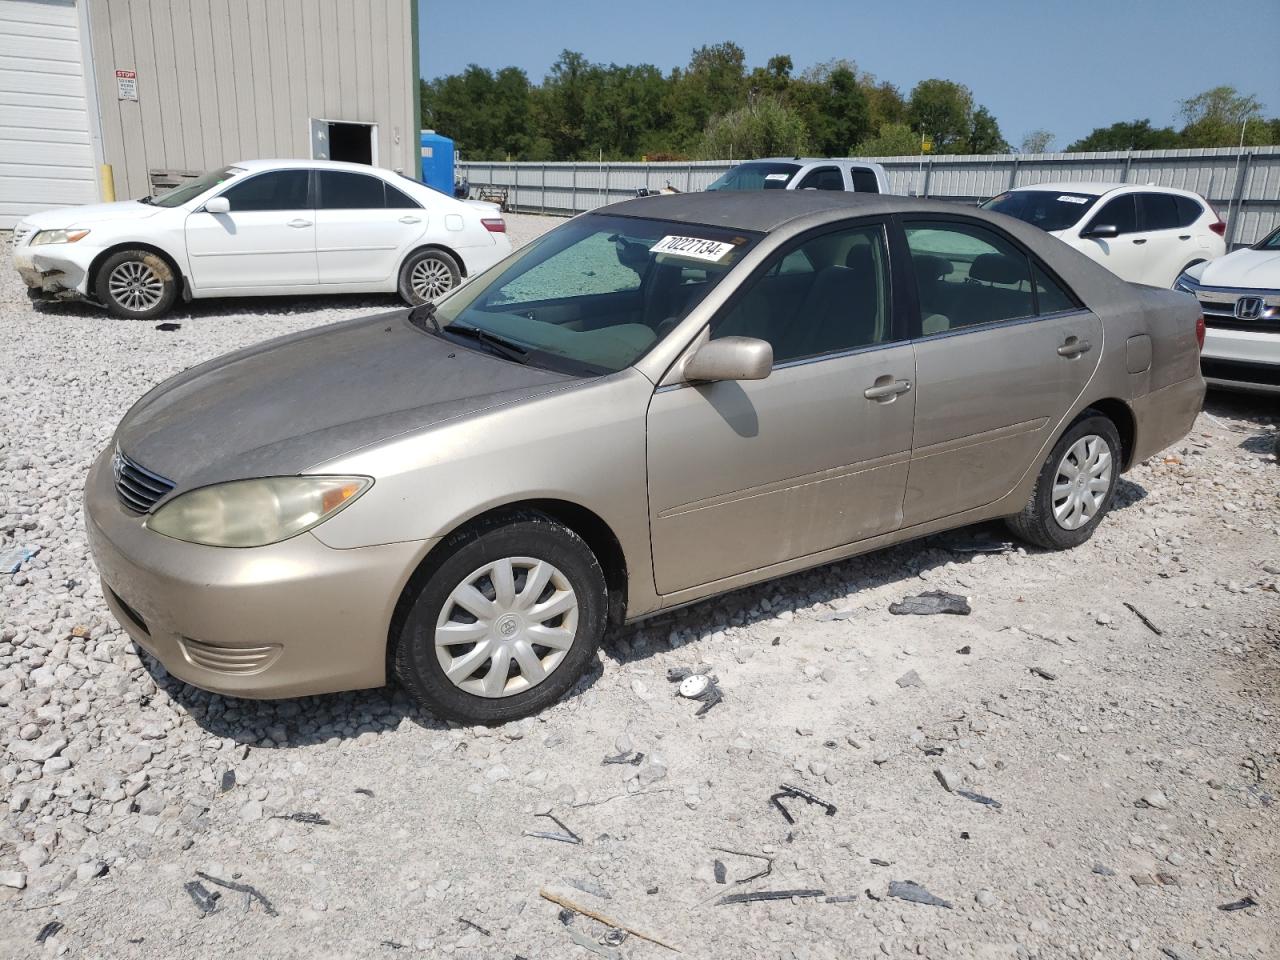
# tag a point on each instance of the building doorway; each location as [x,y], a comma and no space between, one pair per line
[349,142]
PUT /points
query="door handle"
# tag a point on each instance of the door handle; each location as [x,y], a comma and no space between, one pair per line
[886,392]
[1139,242]
[1184,236]
[407,219]
[299,223]
[1074,347]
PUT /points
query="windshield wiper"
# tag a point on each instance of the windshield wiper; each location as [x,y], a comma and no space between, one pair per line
[499,345]
[146,199]
[423,314]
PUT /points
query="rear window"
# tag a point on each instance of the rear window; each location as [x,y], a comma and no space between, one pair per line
[1046,209]
[1189,210]
[864,180]
[1160,211]
[757,176]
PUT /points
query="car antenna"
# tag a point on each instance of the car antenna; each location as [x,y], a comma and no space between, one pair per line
[423,314]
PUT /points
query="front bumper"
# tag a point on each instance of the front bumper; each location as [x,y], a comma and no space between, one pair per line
[1242,359]
[285,620]
[50,274]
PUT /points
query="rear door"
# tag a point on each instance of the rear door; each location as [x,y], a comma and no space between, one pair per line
[743,475]
[822,178]
[863,180]
[268,239]
[364,228]
[1003,350]
[1171,241]
[1125,254]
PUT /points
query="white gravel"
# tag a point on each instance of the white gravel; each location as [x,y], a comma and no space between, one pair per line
[1137,788]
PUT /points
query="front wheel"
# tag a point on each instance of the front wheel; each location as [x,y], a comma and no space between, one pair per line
[504,624]
[136,284]
[1075,488]
[428,275]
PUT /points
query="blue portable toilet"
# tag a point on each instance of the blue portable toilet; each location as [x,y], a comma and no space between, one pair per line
[437,162]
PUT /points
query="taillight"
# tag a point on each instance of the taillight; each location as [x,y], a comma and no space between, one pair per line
[1200,332]
[1220,228]
[497,225]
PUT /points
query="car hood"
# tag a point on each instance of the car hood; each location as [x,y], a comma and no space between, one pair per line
[1244,268]
[90,214]
[283,406]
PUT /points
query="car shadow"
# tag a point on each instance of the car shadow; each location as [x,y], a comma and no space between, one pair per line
[222,307]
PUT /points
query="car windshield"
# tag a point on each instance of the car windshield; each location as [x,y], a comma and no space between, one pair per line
[593,295]
[192,189]
[757,176]
[1046,209]
[1269,242]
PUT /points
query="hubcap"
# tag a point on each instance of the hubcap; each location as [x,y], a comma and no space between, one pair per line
[506,627]
[135,286]
[1082,482]
[430,278]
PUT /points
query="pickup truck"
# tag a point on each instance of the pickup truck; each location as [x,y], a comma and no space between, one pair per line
[805,173]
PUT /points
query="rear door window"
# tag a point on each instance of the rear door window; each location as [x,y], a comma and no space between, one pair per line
[864,180]
[340,190]
[989,278]
[1159,211]
[398,199]
[1189,210]
[822,178]
[1120,212]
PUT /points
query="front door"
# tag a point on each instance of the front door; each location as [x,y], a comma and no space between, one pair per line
[364,227]
[1125,254]
[1002,353]
[747,474]
[267,239]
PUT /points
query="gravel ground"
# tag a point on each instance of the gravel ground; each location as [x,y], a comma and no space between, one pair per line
[1133,772]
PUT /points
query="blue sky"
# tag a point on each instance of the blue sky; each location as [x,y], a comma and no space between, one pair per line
[1063,66]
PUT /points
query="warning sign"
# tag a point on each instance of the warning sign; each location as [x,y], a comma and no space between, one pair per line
[126,84]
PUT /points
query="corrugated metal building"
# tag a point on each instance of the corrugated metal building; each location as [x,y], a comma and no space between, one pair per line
[160,89]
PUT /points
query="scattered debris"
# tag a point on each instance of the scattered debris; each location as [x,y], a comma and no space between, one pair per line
[1171,953]
[979,798]
[1144,618]
[393,944]
[768,868]
[582,940]
[228,780]
[1242,904]
[364,790]
[932,602]
[253,892]
[909,679]
[1043,673]
[787,790]
[13,560]
[949,779]
[630,757]
[312,818]
[1103,871]
[965,650]
[1156,800]
[168,325]
[696,686]
[607,921]
[880,863]
[591,887]
[910,890]
[989,546]
[567,837]
[872,896]
[613,937]
[721,872]
[843,898]
[50,929]
[206,900]
[474,926]
[803,893]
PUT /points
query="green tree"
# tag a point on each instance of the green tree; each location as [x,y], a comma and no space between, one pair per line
[766,127]
[886,104]
[713,84]
[1127,135]
[893,140]
[984,134]
[1220,116]
[1037,141]
[834,108]
[942,110]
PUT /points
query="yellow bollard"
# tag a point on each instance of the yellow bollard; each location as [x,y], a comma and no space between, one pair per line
[107,183]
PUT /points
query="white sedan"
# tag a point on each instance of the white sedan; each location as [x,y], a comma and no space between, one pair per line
[261,227]
[1144,234]
[1240,297]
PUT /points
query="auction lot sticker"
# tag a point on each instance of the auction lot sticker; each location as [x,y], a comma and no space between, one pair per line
[695,248]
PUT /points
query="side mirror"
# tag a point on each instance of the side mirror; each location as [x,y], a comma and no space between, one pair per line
[731,358]
[217,205]
[1101,231]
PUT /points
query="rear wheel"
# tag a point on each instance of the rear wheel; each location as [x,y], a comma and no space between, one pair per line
[136,284]
[1075,488]
[428,275]
[505,623]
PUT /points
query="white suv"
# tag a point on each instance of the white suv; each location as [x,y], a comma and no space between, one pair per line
[1144,234]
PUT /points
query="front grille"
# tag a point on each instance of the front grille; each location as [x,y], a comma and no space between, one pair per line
[138,488]
[21,232]
[1239,371]
[237,661]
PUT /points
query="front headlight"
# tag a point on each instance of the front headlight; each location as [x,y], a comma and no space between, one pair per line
[254,513]
[58,236]
[1185,284]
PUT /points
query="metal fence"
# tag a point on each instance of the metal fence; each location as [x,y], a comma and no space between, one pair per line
[1243,185]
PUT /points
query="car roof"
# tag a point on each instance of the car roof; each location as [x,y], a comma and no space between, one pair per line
[764,211]
[293,164]
[1098,189]
[869,163]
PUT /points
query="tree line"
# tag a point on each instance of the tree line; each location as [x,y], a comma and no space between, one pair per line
[717,108]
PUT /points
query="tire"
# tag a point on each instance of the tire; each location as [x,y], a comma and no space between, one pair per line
[136,284]
[427,275]
[572,587]
[1081,509]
